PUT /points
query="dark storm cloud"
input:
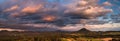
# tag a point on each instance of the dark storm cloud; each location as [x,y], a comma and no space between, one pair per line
[57,12]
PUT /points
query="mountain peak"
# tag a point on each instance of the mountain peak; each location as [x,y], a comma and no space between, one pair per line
[84,30]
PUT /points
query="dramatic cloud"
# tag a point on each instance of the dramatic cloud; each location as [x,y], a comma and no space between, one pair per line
[58,13]
[31,9]
[107,3]
[49,18]
[90,10]
[104,27]
[12,8]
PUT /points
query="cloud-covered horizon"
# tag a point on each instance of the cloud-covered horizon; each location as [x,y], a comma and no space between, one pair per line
[53,14]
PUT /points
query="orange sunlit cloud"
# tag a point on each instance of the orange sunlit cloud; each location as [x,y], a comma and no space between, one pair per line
[31,9]
[49,18]
[12,8]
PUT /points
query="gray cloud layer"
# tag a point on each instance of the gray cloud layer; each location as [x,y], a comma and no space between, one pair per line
[55,12]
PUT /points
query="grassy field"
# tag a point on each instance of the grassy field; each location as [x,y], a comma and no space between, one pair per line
[59,36]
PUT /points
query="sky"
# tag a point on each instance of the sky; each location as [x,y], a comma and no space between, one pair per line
[66,15]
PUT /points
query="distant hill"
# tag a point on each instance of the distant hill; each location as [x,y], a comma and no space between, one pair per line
[83,30]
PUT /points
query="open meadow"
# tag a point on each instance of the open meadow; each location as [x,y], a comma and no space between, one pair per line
[59,36]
